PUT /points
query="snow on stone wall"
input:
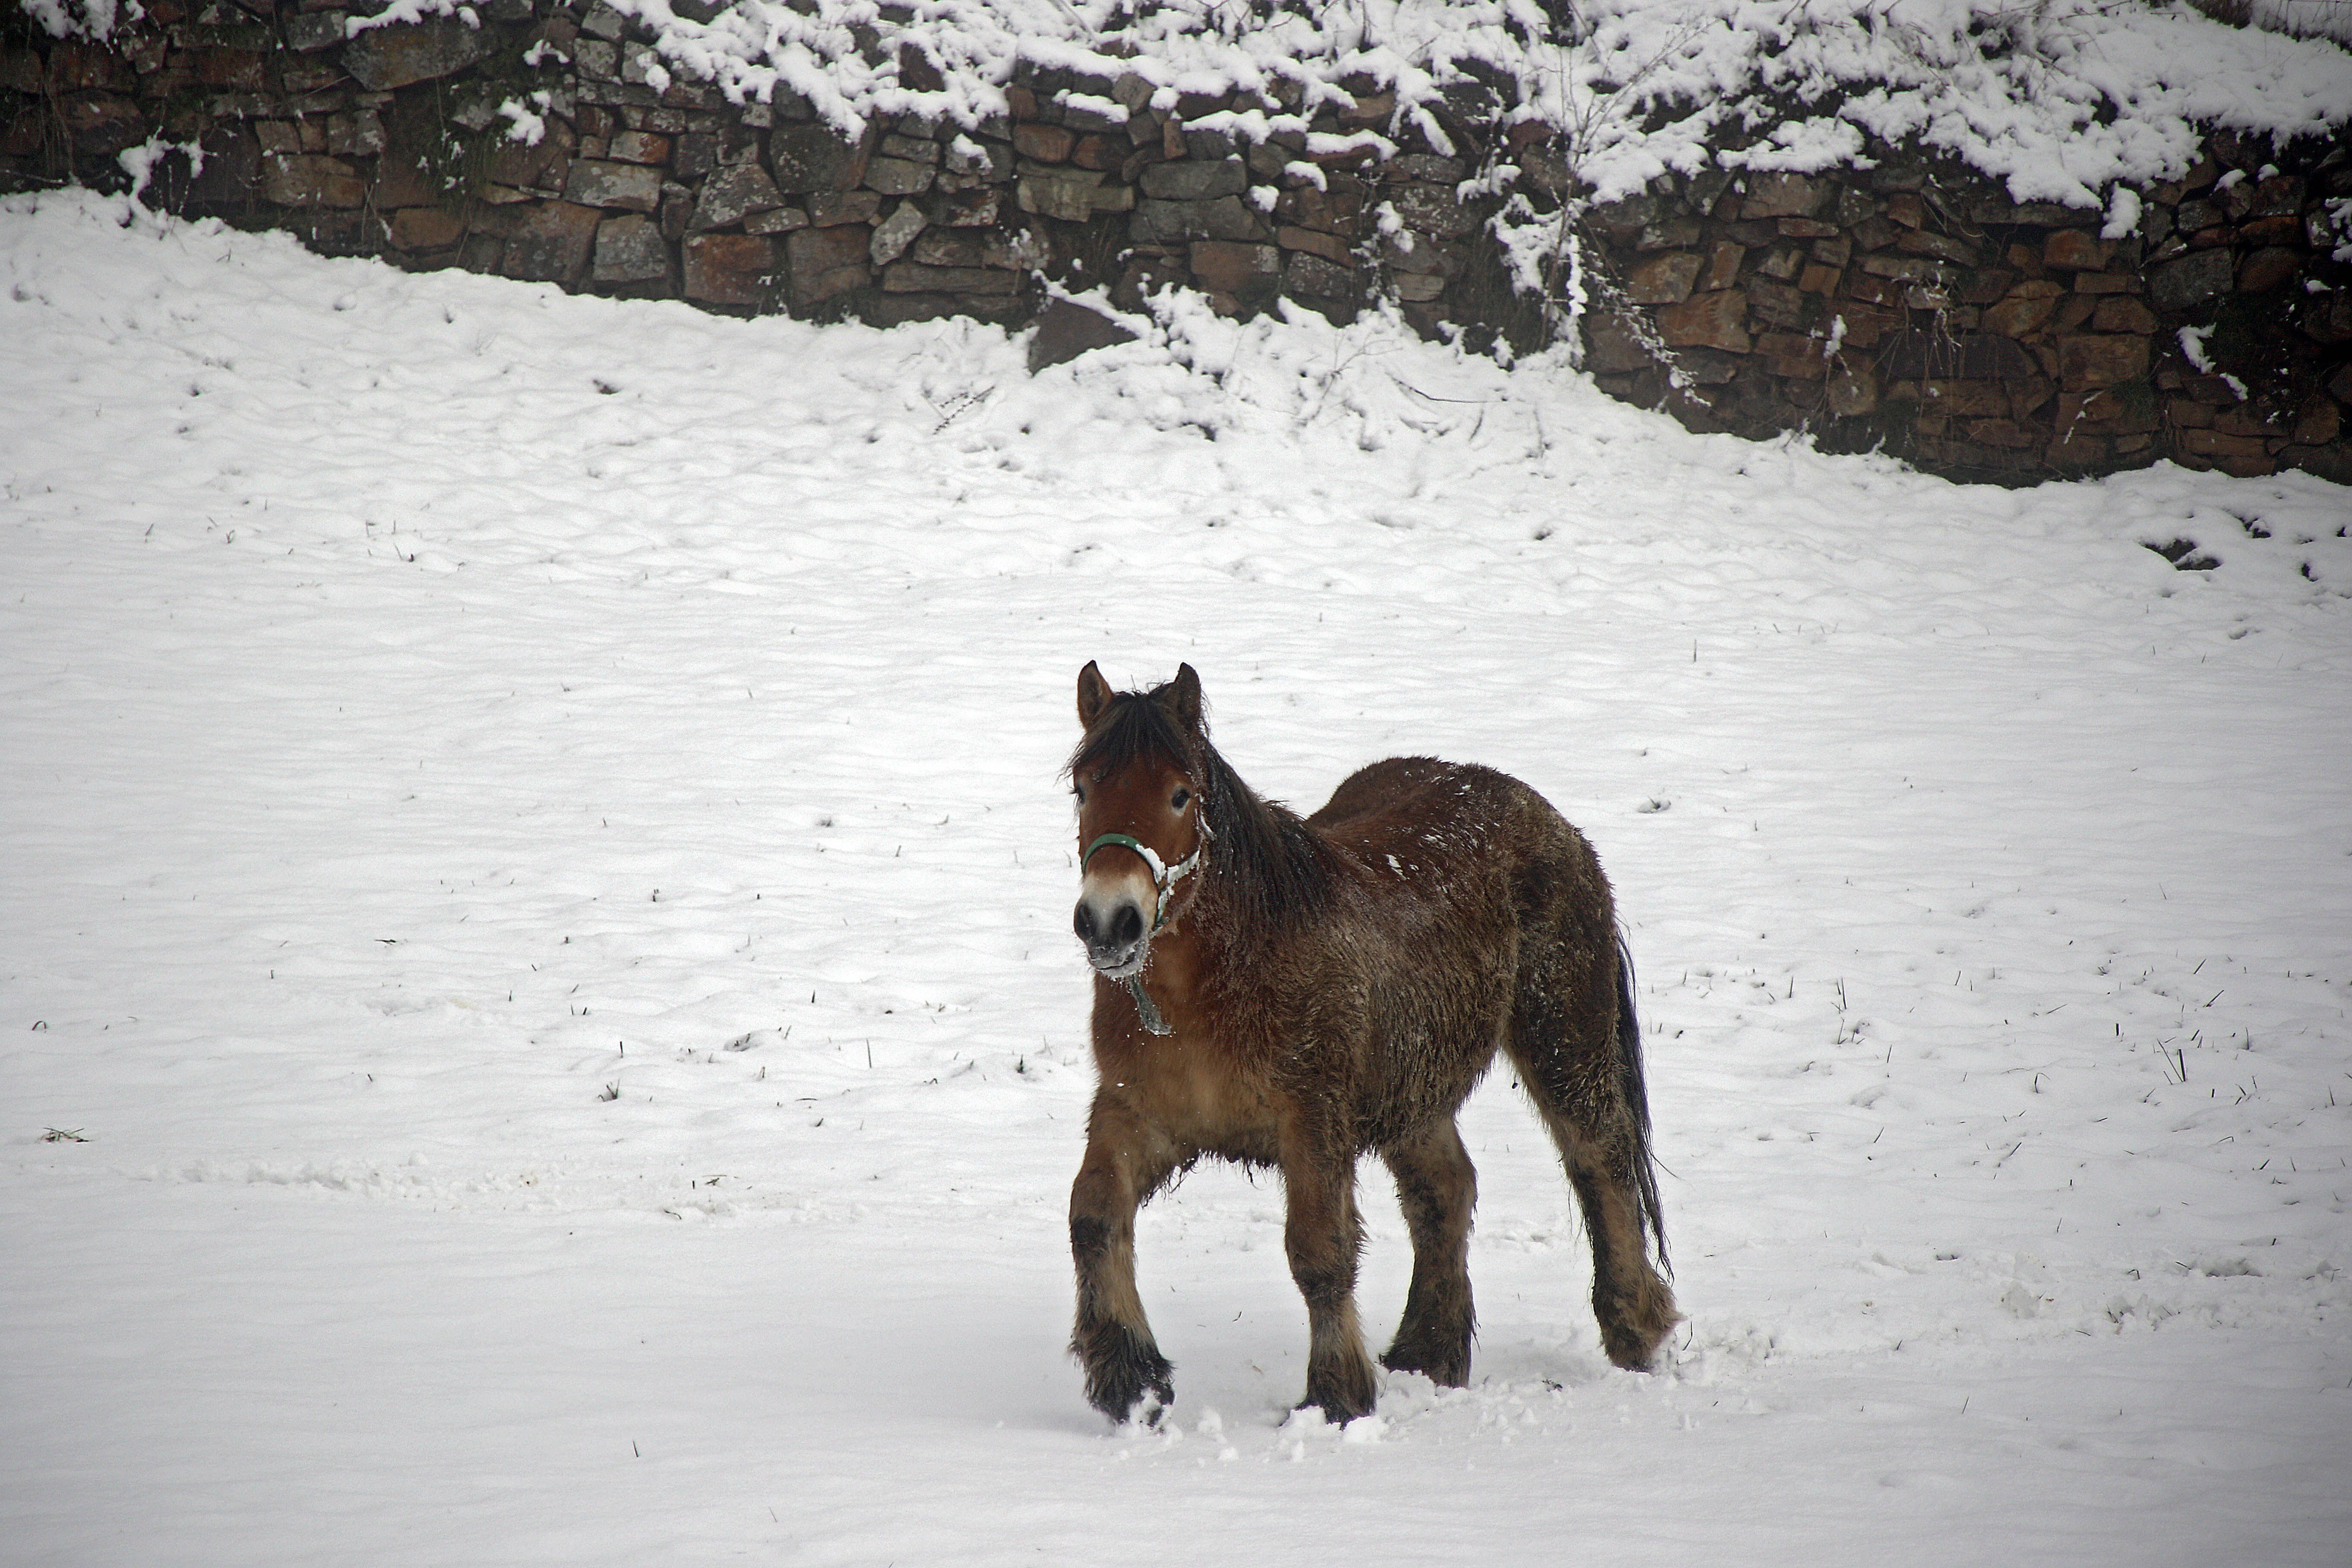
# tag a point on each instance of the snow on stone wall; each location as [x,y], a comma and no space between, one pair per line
[1488,166]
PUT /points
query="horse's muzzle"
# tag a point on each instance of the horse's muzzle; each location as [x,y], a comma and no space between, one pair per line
[1114,930]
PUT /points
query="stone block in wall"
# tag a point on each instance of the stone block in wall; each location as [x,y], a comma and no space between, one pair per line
[1783,195]
[1614,343]
[1066,329]
[898,176]
[1953,398]
[2106,283]
[2121,314]
[355,135]
[1897,267]
[1417,288]
[969,209]
[1851,388]
[914,278]
[1330,248]
[825,263]
[2100,360]
[809,158]
[1916,354]
[776,220]
[894,233]
[1074,196]
[308,32]
[1308,273]
[426,228]
[2215,443]
[2282,229]
[1180,223]
[1433,209]
[2122,410]
[2318,421]
[1713,320]
[1044,144]
[230,71]
[385,58]
[1230,267]
[310,180]
[1983,285]
[546,163]
[2190,280]
[597,183]
[1664,280]
[98,126]
[2024,309]
[2326,318]
[733,193]
[1336,210]
[1778,305]
[597,60]
[730,268]
[2075,250]
[1194,182]
[1867,325]
[831,209]
[550,242]
[629,250]
[1792,354]
[1941,246]
[2266,268]
[1722,266]
[2006,433]
[1669,233]
[648,147]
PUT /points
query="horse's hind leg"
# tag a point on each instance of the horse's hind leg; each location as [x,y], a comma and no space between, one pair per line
[1438,1188]
[1571,1050]
[1125,1163]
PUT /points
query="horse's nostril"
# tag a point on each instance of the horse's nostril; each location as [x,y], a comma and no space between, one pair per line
[1128,927]
[1083,922]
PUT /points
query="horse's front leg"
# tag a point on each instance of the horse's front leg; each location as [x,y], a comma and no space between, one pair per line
[1323,1236]
[1127,1377]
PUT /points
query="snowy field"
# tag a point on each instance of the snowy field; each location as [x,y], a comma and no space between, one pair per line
[532,873]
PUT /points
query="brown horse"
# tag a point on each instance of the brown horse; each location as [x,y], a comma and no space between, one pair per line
[1299,992]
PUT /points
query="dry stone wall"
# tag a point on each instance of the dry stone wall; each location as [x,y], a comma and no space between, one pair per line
[1909,306]
[1912,307]
[549,143]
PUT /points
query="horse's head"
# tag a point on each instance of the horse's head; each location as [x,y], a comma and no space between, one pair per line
[1138,775]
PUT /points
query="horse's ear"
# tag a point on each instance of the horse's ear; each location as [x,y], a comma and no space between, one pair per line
[1094,695]
[1182,697]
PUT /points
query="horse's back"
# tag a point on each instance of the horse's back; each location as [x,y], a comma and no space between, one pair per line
[1458,809]
[1472,826]
[1426,789]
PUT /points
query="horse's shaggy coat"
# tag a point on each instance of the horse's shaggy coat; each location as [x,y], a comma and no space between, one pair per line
[1332,987]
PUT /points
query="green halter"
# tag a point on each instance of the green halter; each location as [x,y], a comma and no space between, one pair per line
[1164,879]
[1163,876]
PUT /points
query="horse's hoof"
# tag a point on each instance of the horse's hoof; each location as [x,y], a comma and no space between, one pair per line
[1130,1382]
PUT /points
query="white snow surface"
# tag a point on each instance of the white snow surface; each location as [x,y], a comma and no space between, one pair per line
[538,1021]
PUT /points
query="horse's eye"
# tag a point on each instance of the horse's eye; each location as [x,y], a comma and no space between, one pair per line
[1181,796]
[1080,791]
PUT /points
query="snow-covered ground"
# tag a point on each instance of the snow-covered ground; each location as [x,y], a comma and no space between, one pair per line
[532,869]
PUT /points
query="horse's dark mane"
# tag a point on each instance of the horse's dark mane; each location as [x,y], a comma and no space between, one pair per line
[1269,867]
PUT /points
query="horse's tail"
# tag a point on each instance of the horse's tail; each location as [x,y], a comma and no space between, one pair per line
[1631,1085]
